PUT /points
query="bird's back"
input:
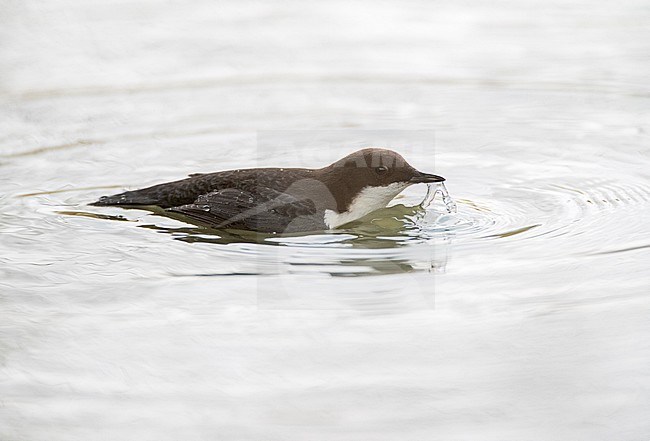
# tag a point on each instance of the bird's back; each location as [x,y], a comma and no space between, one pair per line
[188,190]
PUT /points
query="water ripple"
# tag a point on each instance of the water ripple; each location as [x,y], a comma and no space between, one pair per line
[405,238]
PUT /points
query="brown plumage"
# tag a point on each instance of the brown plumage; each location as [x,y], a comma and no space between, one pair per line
[276,199]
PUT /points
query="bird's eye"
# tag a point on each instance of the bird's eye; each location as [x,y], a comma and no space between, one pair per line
[381,169]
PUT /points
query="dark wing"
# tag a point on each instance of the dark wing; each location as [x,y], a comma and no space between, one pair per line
[169,194]
[186,191]
[265,210]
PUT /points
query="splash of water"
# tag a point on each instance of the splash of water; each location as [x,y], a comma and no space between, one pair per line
[439,188]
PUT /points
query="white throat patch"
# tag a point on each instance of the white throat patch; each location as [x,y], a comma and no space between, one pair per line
[367,201]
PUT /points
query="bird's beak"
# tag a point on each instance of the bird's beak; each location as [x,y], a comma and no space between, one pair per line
[426,177]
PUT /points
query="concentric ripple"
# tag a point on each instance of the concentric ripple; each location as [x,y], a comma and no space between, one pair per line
[530,214]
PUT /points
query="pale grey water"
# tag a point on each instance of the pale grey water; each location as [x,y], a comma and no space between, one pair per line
[525,316]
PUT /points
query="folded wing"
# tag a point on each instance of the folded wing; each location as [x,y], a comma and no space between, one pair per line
[265,210]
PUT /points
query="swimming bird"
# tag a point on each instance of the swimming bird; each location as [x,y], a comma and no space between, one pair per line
[283,200]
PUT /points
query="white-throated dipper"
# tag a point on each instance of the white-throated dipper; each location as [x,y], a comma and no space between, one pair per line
[283,200]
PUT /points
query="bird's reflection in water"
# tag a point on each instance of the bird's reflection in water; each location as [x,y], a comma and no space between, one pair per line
[387,241]
[384,242]
[392,227]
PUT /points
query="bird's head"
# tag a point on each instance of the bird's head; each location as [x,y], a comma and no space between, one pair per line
[379,168]
[368,179]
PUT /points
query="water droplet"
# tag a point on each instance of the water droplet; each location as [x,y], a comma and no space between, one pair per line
[431,194]
[447,199]
[433,190]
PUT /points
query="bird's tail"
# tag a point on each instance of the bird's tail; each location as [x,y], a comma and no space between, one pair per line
[126,198]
